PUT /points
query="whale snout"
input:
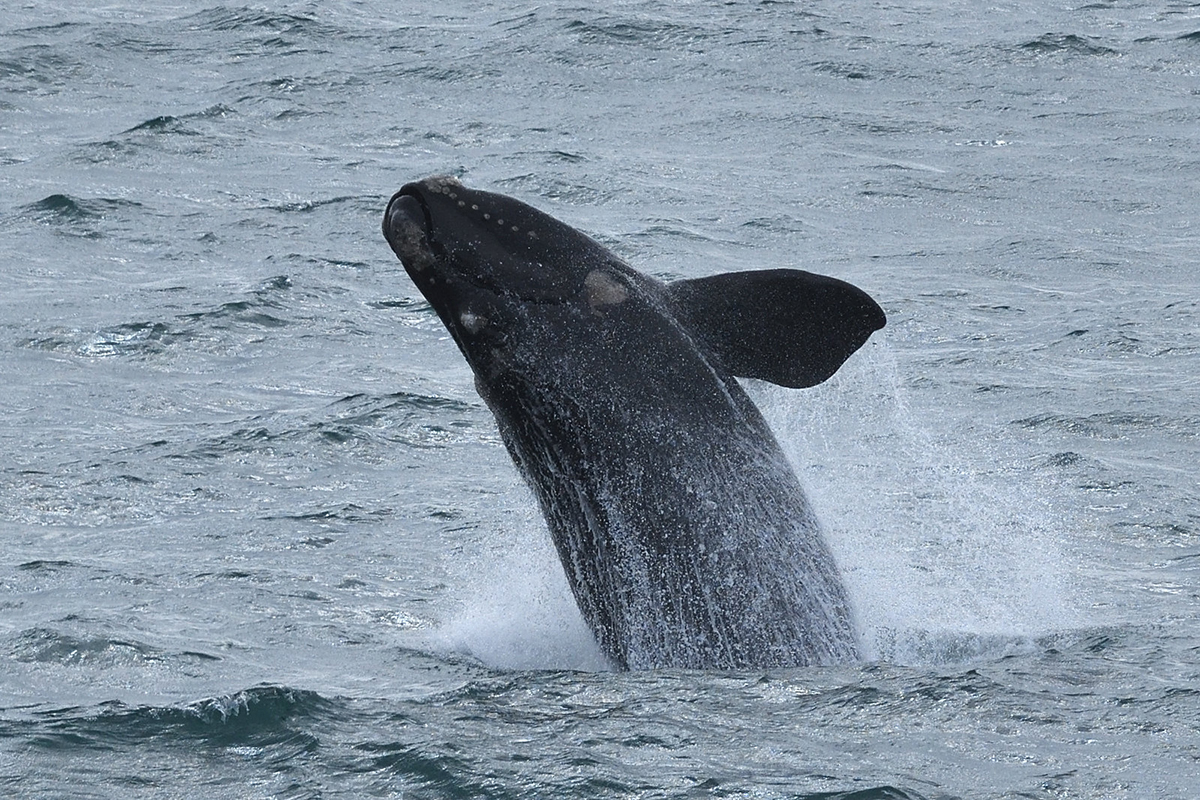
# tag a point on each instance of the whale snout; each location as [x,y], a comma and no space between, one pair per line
[406,228]
[403,213]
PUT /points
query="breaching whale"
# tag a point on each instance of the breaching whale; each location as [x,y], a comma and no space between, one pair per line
[683,531]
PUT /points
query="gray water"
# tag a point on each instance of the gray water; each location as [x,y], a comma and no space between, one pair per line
[261,539]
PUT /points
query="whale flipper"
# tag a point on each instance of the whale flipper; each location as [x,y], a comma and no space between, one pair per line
[786,326]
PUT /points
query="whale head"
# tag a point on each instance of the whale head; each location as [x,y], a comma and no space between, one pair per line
[441,229]
[479,256]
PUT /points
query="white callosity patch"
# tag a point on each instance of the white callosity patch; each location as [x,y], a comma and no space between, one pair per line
[443,183]
[411,243]
[604,289]
[473,322]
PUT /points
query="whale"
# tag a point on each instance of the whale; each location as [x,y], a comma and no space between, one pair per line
[684,534]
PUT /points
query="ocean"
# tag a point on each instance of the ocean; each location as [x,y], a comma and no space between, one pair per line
[261,539]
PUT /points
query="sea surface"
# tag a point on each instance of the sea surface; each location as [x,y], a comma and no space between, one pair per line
[259,537]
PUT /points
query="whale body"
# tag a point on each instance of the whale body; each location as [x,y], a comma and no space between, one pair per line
[685,536]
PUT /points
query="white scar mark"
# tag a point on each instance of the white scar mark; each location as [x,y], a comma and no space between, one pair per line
[604,290]
[444,184]
[474,323]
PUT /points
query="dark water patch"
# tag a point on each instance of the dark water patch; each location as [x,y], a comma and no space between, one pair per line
[336,263]
[305,206]
[463,71]
[1065,459]
[673,229]
[781,223]
[874,793]
[133,339]
[147,339]
[163,124]
[187,135]
[39,69]
[410,419]
[325,82]
[998,309]
[519,21]
[565,157]
[170,124]
[401,400]
[136,40]
[444,772]
[255,576]
[251,20]
[1162,532]
[253,311]
[74,215]
[62,570]
[48,646]
[374,423]
[1067,43]
[414,304]
[1194,36]
[245,312]
[541,185]
[853,72]
[943,648]
[105,152]
[294,113]
[1101,486]
[654,34]
[1110,425]
[46,566]
[347,513]
[275,718]
[53,27]
[241,441]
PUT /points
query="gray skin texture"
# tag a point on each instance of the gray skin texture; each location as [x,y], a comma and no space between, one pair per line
[684,534]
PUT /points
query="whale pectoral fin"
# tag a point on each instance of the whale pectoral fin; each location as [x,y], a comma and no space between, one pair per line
[786,326]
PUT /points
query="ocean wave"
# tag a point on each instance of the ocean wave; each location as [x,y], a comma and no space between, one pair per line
[1111,424]
[262,309]
[39,69]
[66,207]
[1067,43]
[226,19]
[263,716]
[165,135]
[305,206]
[405,418]
[172,124]
[874,793]
[370,421]
[49,645]
[556,188]
[641,32]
